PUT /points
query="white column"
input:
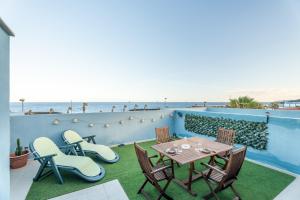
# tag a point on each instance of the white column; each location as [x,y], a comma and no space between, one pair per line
[4,116]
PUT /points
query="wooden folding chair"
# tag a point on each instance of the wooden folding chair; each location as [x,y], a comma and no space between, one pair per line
[153,174]
[163,136]
[224,178]
[225,136]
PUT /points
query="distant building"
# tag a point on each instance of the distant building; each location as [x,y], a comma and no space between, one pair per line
[291,104]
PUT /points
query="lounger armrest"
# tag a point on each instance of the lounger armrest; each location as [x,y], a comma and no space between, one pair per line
[45,157]
[90,138]
[69,148]
[214,168]
[161,169]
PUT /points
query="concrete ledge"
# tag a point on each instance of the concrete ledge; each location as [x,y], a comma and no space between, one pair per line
[111,190]
[272,167]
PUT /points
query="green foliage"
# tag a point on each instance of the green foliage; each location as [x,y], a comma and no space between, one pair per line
[244,102]
[19,149]
[253,134]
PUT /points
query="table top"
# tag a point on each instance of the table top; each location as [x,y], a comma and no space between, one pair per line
[191,154]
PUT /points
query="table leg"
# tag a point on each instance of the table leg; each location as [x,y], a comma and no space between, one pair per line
[172,165]
[192,168]
[212,160]
[187,184]
[161,159]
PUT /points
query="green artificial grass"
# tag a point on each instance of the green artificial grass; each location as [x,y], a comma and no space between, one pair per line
[255,181]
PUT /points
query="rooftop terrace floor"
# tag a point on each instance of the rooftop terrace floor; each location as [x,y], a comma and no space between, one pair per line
[255,181]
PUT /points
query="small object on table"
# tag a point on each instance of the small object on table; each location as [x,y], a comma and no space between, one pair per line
[171,151]
[205,150]
[185,146]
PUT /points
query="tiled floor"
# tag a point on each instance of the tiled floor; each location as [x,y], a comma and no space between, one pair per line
[21,180]
[111,190]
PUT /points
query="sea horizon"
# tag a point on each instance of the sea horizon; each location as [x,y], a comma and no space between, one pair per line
[94,106]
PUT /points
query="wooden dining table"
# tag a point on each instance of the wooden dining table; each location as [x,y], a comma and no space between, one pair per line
[190,156]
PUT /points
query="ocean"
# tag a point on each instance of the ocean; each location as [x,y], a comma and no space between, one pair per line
[16,107]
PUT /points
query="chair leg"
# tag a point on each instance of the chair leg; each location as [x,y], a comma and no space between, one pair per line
[213,191]
[142,187]
[210,195]
[56,171]
[235,192]
[166,196]
[40,171]
[162,191]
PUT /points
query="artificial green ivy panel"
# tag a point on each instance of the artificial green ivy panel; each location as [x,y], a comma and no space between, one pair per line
[253,134]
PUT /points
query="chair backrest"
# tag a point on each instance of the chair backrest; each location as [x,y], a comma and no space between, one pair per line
[144,161]
[162,135]
[236,160]
[71,136]
[44,146]
[225,136]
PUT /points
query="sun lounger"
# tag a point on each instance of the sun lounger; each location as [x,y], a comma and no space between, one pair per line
[51,157]
[84,145]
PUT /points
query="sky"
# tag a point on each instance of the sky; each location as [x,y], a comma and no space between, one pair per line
[150,50]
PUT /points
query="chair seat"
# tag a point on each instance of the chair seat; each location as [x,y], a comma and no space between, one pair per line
[159,176]
[215,176]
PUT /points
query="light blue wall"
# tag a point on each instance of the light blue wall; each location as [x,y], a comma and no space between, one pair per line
[4,115]
[27,128]
[284,136]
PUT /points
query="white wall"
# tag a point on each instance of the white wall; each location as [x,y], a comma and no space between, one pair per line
[4,116]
